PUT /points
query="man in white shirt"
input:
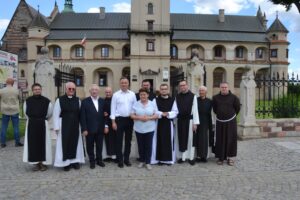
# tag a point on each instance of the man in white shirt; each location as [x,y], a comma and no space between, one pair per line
[121,105]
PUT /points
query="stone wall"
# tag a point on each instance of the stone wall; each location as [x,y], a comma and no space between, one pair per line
[279,127]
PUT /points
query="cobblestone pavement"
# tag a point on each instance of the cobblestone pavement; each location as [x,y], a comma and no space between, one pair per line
[265,169]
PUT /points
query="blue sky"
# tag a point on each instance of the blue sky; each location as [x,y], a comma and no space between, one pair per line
[290,19]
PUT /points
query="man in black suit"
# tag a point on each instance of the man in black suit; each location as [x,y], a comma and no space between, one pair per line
[93,125]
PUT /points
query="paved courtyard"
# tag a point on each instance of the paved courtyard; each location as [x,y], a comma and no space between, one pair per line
[265,169]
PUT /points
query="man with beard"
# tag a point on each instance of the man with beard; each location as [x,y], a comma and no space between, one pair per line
[66,117]
[37,142]
[226,106]
[146,85]
[163,141]
[187,122]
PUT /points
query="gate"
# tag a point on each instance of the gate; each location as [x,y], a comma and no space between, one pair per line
[63,75]
[277,96]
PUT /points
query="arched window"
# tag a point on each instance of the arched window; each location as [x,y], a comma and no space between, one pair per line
[79,51]
[259,53]
[126,72]
[219,76]
[219,51]
[238,73]
[78,73]
[150,9]
[239,52]
[126,51]
[56,52]
[104,51]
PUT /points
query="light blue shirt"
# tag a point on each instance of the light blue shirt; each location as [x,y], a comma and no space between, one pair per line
[139,109]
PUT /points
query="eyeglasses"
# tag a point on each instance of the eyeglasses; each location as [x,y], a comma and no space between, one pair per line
[71,89]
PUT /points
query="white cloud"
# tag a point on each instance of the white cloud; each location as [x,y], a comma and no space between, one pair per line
[209,6]
[122,7]
[3,24]
[290,19]
[93,10]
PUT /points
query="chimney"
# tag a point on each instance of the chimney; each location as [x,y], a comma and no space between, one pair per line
[221,15]
[102,12]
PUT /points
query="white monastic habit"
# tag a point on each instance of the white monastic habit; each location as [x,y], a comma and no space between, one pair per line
[172,115]
[190,152]
[48,143]
[58,162]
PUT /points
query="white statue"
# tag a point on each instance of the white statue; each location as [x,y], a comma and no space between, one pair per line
[44,74]
[195,72]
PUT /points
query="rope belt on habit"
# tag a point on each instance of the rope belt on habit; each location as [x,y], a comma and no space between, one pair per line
[226,120]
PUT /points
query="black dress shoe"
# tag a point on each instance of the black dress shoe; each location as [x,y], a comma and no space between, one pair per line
[203,160]
[19,144]
[75,166]
[67,168]
[180,161]
[92,165]
[121,165]
[192,162]
[127,163]
[3,145]
[100,163]
[198,159]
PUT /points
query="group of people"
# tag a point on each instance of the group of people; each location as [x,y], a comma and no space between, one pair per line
[167,129]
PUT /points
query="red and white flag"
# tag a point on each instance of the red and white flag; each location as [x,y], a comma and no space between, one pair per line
[83,41]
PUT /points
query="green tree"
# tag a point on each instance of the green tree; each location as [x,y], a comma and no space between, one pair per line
[287,3]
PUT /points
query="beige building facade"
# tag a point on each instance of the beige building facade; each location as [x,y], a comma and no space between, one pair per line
[148,43]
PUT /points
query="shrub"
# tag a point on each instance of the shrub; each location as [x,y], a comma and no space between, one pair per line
[286,107]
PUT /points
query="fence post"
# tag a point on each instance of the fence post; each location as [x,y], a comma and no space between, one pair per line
[248,128]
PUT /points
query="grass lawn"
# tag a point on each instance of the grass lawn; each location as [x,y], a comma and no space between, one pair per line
[10,130]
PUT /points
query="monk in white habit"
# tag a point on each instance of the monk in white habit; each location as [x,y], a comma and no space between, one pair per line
[66,117]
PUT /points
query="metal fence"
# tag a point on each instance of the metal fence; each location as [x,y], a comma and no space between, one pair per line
[277,96]
[63,75]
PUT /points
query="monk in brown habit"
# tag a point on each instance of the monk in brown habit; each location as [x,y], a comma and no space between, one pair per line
[226,106]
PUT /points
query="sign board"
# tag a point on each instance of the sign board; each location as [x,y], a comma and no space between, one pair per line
[8,68]
[22,84]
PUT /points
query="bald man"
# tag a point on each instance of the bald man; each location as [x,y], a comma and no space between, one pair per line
[69,146]
[9,103]
[110,135]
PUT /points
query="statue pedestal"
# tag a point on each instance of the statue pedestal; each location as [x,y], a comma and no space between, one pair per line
[248,129]
[248,132]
